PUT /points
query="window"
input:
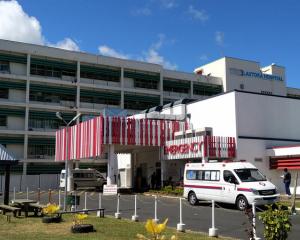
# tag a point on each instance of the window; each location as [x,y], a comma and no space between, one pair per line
[229,177]
[41,151]
[100,76]
[250,175]
[204,175]
[4,67]
[3,121]
[99,100]
[266,93]
[242,86]
[149,84]
[50,71]
[44,123]
[191,174]
[4,93]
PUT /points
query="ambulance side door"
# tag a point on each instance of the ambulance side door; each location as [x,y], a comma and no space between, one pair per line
[229,187]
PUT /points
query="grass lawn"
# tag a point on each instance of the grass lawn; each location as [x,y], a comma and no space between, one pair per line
[106,229]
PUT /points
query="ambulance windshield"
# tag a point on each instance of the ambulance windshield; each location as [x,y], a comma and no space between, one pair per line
[250,175]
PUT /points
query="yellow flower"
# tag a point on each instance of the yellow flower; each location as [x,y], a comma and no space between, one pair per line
[81,216]
[50,209]
[154,228]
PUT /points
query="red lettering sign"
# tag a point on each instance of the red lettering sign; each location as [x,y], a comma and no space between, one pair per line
[194,147]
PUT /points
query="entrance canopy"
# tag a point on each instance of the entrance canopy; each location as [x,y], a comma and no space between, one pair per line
[87,139]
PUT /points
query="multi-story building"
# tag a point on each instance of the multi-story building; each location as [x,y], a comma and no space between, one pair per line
[38,81]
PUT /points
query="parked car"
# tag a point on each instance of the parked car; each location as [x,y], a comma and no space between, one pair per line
[84,178]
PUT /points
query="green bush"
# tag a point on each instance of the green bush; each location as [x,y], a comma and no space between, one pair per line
[277,222]
[169,191]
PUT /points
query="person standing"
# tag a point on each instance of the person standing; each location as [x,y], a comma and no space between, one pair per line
[153,181]
[287,181]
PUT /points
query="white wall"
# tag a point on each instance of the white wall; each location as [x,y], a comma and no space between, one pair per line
[265,117]
[251,150]
[33,182]
[268,116]
[15,123]
[216,112]
[253,84]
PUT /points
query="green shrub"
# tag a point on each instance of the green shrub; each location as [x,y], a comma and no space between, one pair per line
[169,191]
[277,222]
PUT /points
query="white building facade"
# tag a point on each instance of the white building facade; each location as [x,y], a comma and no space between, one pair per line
[37,81]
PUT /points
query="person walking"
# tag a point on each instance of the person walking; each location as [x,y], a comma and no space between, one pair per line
[287,181]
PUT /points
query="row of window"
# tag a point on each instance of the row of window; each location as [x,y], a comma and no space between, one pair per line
[47,71]
[44,123]
[100,76]
[99,100]
[40,151]
[210,175]
[138,105]
[149,84]
[50,97]
[206,175]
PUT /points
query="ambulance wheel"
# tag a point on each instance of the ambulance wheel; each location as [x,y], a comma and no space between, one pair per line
[192,198]
[242,203]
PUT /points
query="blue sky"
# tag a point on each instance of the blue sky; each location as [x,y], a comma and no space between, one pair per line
[180,34]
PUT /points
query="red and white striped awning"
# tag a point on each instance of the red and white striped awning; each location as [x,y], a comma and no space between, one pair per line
[86,139]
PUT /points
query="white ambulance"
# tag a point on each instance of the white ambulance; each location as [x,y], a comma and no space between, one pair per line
[239,183]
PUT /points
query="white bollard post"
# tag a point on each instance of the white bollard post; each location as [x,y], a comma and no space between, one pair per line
[85,199]
[118,214]
[135,217]
[27,193]
[213,232]
[180,225]
[155,210]
[254,221]
[100,205]
[59,198]
[14,193]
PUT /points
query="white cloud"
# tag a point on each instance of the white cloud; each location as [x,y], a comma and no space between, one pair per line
[110,52]
[17,25]
[152,55]
[197,14]
[67,44]
[168,4]
[203,58]
[142,11]
[219,37]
